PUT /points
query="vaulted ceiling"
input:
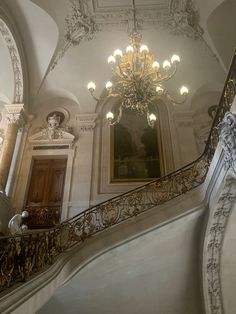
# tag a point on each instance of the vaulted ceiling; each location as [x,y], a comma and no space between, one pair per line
[67,43]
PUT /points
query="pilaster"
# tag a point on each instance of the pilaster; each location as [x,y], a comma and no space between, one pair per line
[15,120]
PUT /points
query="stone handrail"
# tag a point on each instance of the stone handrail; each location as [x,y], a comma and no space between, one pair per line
[27,254]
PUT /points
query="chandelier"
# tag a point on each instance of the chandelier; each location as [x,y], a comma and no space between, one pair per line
[138,79]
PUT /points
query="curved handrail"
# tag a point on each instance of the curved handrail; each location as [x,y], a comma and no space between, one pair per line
[24,255]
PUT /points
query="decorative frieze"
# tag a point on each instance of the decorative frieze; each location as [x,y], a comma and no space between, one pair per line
[86,122]
[15,60]
[227,139]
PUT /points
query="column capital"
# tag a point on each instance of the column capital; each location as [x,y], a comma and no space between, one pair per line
[14,113]
[86,121]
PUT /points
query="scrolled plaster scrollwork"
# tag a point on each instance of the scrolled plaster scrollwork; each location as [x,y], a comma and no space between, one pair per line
[15,60]
[79,25]
[182,18]
[213,246]
[227,137]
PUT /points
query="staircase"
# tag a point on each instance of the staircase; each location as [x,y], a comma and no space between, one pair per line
[23,257]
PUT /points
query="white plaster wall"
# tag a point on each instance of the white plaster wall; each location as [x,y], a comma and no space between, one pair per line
[6,73]
[155,273]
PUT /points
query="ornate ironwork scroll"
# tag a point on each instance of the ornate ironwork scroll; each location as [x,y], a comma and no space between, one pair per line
[43,216]
[23,256]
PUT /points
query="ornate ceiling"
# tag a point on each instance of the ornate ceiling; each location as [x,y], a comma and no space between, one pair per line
[67,42]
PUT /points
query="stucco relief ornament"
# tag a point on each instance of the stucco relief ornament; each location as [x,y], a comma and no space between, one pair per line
[53,129]
[78,26]
[184,19]
[15,60]
[227,139]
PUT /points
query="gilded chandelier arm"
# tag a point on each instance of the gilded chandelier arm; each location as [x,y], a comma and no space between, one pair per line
[94,97]
[174,101]
[168,77]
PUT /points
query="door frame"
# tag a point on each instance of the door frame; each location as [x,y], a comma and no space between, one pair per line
[50,154]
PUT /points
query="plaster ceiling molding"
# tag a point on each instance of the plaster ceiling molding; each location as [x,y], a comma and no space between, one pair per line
[86,18]
[184,19]
[213,246]
[180,17]
[15,60]
[79,25]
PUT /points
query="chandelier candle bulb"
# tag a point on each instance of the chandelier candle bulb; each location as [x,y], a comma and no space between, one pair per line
[159,90]
[118,53]
[129,49]
[109,85]
[138,80]
[111,60]
[155,65]
[175,58]
[166,65]
[152,117]
[110,116]
[183,91]
[91,86]
[144,49]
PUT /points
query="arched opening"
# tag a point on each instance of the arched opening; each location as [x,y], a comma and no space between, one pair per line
[16,72]
[112,180]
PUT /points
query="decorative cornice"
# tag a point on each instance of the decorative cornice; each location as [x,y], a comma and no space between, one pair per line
[227,139]
[86,121]
[15,60]
[214,242]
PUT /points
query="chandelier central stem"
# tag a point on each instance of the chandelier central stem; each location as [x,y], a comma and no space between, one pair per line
[134,17]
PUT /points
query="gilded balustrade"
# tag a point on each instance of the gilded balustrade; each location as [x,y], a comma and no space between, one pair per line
[24,255]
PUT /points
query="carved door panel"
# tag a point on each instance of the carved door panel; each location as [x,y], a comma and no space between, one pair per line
[45,194]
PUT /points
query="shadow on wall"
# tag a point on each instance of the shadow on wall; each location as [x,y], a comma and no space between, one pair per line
[221,27]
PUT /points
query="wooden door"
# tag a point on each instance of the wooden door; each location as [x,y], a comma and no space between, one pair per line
[45,194]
